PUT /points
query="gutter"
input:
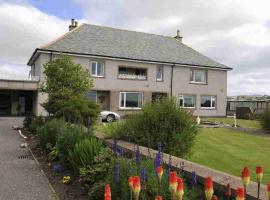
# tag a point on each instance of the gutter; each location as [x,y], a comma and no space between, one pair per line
[31,60]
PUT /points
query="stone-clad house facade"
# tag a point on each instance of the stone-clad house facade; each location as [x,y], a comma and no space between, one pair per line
[132,68]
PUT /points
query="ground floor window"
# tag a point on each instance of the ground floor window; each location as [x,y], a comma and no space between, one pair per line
[208,102]
[130,99]
[187,101]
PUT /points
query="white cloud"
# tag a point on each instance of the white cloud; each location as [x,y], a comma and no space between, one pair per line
[233,32]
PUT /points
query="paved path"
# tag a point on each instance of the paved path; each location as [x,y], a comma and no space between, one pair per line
[20,179]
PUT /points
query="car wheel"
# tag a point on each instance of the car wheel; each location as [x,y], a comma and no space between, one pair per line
[110,118]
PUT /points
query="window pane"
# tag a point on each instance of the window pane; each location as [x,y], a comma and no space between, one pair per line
[132,100]
[206,101]
[199,76]
[122,99]
[189,101]
[159,73]
[181,102]
[213,102]
[100,69]
[92,95]
[93,69]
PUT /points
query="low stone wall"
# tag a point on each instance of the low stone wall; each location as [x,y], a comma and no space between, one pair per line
[220,179]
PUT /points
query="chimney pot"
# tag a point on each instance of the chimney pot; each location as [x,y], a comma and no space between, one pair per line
[73,25]
[178,36]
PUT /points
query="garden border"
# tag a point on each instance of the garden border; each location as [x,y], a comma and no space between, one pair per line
[220,179]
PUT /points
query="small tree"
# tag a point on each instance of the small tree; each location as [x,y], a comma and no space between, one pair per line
[66,85]
[265,119]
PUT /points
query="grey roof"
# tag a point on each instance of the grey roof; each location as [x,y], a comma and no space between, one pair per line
[112,42]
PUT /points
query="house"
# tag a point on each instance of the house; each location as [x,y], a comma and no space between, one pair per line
[132,68]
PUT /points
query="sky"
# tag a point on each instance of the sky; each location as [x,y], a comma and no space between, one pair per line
[233,32]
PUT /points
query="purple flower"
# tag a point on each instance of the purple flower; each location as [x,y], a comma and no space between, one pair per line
[114,146]
[138,155]
[143,175]
[121,152]
[193,179]
[159,147]
[117,173]
[57,168]
[158,160]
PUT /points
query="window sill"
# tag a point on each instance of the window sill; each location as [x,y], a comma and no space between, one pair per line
[188,107]
[198,83]
[93,76]
[202,108]
[129,108]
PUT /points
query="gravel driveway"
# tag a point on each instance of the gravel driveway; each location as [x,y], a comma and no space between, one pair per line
[20,178]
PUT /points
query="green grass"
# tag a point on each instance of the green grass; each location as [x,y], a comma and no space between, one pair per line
[240,122]
[229,151]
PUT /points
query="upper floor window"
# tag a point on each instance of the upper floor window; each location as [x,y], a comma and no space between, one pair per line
[208,102]
[130,100]
[159,73]
[132,73]
[187,101]
[97,69]
[198,76]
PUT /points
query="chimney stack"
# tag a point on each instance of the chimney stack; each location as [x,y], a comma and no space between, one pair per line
[73,25]
[178,36]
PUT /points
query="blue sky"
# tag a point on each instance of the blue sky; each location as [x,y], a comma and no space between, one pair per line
[64,9]
[233,32]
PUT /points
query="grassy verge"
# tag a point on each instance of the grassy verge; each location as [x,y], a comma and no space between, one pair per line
[229,151]
[240,122]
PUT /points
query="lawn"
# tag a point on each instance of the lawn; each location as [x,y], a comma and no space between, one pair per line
[240,122]
[229,151]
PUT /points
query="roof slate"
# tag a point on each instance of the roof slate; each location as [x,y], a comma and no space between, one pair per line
[112,42]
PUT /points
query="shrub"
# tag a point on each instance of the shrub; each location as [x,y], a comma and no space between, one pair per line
[265,119]
[48,133]
[68,138]
[84,152]
[36,122]
[162,121]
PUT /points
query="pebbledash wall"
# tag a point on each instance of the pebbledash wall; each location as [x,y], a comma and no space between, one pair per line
[216,83]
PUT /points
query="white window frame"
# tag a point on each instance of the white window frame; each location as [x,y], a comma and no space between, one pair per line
[183,98]
[192,76]
[213,98]
[162,70]
[125,96]
[96,67]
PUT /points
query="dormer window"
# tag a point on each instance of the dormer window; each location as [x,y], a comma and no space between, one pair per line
[198,76]
[97,69]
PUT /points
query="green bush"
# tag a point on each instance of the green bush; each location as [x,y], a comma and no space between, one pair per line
[265,119]
[84,152]
[48,133]
[36,122]
[68,138]
[162,121]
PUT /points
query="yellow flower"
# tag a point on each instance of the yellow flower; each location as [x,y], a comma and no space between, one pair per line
[66,179]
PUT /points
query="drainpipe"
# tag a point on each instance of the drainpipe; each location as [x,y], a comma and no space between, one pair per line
[172,67]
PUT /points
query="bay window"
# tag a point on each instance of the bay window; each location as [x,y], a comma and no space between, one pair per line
[130,100]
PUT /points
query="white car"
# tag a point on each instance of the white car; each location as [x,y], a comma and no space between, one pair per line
[109,116]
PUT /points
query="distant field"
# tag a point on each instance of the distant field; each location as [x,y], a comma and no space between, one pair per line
[240,122]
[229,151]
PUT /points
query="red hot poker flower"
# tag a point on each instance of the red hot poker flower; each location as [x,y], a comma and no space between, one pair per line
[107,193]
[259,172]
[180,189]
[208,188]
[159,171]
[158,198]
[136,186]
[240,193]
[172,181]
[245,176]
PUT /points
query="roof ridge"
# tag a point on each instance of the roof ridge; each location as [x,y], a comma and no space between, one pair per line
[123,29]
[61,37]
